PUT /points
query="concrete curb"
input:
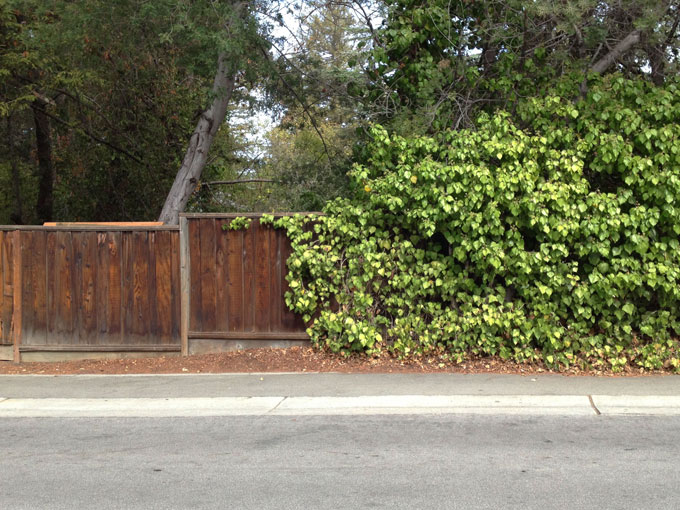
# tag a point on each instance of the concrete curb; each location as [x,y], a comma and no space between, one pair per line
[565,405]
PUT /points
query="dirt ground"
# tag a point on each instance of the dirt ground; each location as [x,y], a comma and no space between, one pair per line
[293,359]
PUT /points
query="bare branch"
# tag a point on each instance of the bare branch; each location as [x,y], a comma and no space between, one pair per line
[237,181]
[622,47]
[90,134]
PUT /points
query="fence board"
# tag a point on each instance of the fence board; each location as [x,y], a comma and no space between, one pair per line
[175,289]
[63,289]
[249,278]
[234,280]
[87,333]
[164,290]
[195,275]
[114,289]
[221,277]
[275,299]
[262,275]
[6,295]
[34,283]
[206,258]
[246,284]
[140,286]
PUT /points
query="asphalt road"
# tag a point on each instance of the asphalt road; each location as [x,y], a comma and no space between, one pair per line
[314,462]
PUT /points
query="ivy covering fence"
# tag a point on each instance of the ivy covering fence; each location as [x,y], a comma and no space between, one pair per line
[548,233]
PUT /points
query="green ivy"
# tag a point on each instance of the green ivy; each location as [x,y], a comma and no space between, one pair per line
[549,234]
[238,223]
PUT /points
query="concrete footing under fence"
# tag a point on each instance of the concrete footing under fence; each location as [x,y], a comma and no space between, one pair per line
[196,347]
[207,346]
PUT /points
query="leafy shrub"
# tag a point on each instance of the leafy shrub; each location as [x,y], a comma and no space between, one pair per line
[551,234]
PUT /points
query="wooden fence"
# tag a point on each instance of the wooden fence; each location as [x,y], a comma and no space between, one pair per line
[132,289]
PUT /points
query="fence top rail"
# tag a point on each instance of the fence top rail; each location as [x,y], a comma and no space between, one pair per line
[88,228]
[247,215]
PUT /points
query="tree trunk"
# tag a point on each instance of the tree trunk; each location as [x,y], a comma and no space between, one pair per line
[43,145]
[199,144]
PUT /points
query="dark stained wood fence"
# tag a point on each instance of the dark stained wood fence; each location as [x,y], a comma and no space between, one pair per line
[237,281]
[91,288]
[6,280]
[124,288]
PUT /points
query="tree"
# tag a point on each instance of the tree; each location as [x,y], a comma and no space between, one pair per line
[310,150]
[437,63]
[238,41]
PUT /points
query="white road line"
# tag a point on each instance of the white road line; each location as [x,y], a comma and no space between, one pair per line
[663,405]
[576,405]
[278,405]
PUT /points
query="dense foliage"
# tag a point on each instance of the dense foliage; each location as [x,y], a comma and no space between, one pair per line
[551,233]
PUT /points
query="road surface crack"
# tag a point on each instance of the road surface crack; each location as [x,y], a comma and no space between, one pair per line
[592,404]
[277,405]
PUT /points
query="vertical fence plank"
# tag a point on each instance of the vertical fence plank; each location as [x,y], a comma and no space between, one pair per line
[152,333]
[206,227]
[25,250]
[114,288]
[17,315]
[249,238]
[88,321]
[127,287]
[6,282]
[235,279]
[275,301]
[163,288]
[79,243]
[176,288]
[262,278]
[63,289]
[221,278]
[140,295]
[185,284]
[35,283]
[195,274]
[52,271]
[102,288]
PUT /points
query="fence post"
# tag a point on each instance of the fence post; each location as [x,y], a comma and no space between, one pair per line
[17,315]
[185,283]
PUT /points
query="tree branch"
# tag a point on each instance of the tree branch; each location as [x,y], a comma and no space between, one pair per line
[91,135]
[622,47]
[238,181]
[299,100]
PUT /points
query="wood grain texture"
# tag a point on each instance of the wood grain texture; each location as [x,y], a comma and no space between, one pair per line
[185,284]
[102,288]
[127,287]
[114,288]
[262,287]
[138,287]
[6,288]
[17,316]
[87,332]
[195,274]
[275,298]
[140,282]
[163,287]
[63,289]
[249,262]
[177,309]
[207,256]
[235,280]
